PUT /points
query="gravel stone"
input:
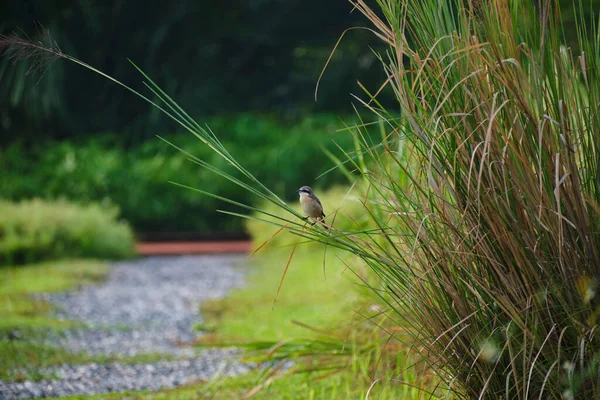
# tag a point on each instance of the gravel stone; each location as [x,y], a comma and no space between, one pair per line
[152,301]
[146,306]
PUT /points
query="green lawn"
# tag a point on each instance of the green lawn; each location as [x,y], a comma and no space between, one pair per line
[18,284]
[308,295]
[23,318]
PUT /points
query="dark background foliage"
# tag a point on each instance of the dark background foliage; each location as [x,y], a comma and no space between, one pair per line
[213,57]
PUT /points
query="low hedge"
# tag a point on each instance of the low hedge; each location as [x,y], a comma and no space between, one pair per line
[35,230]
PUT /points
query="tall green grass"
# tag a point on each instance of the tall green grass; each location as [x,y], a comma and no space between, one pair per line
[498,271]
[482,196]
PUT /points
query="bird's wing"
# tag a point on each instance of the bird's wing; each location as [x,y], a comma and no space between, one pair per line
[319,201]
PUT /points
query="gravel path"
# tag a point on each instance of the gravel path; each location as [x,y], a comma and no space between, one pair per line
[146,306]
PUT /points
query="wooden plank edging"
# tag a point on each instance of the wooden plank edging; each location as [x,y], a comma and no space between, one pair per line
[159,248]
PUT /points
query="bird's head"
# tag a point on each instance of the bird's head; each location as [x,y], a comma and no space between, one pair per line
[305,191]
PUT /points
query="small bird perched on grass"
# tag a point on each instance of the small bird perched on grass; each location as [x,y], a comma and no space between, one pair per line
[311,204]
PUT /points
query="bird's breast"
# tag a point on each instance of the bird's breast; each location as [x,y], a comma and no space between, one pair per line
[305,200]
[311,207]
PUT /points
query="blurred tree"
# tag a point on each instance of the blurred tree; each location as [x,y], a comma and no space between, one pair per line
[247,55]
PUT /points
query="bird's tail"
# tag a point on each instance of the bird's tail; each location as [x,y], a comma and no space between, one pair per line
[323,222]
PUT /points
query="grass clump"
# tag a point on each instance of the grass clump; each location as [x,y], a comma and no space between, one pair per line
[489,249]
[35,230]
[51,276]
[22,360]
[25,361]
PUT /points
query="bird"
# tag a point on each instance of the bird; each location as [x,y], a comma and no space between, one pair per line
[311,205]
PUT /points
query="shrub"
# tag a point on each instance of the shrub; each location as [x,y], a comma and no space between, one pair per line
[286,154]
[36,230]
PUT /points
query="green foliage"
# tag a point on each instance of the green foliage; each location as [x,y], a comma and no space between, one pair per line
[248,56]
[36,230]
[286,154]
